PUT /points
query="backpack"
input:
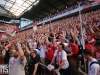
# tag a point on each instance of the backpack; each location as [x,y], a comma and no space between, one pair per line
[94,62]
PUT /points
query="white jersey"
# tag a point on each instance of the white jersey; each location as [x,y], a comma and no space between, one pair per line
[61,56]
[94,69]
[18,67]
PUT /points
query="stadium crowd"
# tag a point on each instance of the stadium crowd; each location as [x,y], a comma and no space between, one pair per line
[58,44]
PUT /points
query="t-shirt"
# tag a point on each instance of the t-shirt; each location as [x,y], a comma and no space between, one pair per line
[7,57]
[97,54]
[94,68]
[61,56]
[50,52]
[42,52]
[74,49]
[18,67]
[32,62]
[11,62]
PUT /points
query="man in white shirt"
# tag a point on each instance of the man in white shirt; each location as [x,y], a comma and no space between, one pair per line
[42,54]
[93,69]
[19,62]
[61,60]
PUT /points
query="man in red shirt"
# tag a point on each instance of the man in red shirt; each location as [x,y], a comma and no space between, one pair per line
[51,47]
[50,52]
[73,57]
[97,52]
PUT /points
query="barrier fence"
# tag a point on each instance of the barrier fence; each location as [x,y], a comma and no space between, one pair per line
[42,70]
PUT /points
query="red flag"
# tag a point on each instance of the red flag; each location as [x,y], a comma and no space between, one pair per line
[95,0]
[34,23]
[35,26]
[17,27]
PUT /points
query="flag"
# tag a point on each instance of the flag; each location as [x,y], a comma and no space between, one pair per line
[13,34]
[4,35]
[35,26]
[95,0]
[17,27]
[11,29]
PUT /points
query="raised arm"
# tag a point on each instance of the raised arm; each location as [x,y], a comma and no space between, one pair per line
[21,52]
[54,39]
[27,50]
[91,29]
[6,47]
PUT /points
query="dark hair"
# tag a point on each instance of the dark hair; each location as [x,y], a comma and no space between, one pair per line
[85,51]
[71,40]
[62,45]
[34,51]
[97,43]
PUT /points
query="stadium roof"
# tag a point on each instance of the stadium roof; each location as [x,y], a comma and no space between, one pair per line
[47,7]
[15,8]
[32,9]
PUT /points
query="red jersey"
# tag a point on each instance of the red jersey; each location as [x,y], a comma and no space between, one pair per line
[50,52]
[96,54]
[74,50]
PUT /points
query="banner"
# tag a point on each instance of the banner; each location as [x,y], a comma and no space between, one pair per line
[95,3]
[87,6]
[4,35]
[11,29]
[35,26]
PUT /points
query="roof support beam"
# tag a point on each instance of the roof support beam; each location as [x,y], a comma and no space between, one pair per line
[8,12]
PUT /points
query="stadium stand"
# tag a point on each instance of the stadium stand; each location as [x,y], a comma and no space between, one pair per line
[59,45]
